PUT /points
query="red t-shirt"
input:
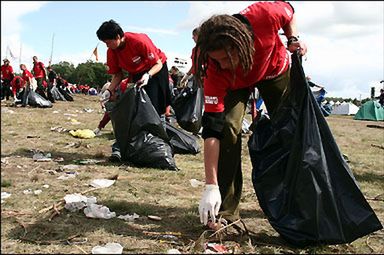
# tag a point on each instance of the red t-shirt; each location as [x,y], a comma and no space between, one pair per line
[138,55]
[16,87]
[270,59]
[38,70]
[26,75]
[7,72]
[123,85]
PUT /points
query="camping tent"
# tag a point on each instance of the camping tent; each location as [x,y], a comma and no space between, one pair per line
[345,108]
[371,110]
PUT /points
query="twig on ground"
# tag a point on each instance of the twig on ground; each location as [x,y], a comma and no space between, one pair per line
[378,146]
[366,241]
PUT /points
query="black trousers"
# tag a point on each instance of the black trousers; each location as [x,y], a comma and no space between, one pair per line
[6,89]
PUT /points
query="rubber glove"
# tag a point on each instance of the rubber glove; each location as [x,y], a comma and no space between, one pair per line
[144,80]
[184,80]
[210,203]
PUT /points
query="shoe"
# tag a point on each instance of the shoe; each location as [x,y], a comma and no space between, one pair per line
[97,131]
[115,156]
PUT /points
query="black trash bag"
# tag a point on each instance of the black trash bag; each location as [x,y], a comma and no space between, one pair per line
[56,94]
[302,182]
[138,129]
[35,100]
[66,95]
[182,142]
[147,150]
[188,107]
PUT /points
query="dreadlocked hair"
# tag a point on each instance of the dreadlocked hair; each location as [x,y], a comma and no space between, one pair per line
[223,32]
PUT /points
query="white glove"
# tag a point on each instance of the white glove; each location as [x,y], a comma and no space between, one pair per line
[105,96]
[210,203]
[184,80]
[144,80]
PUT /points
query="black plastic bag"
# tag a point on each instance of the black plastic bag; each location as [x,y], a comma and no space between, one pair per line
[66,95]
[188,107]
[35,100]
[56,94]
[302,182]
[182,142]
[139,132]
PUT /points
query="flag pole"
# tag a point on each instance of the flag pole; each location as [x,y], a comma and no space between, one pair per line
[50,59]
[20,57]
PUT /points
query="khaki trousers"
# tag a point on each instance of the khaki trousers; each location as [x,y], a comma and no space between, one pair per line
[230,177]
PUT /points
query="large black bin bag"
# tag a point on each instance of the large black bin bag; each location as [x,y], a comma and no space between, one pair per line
[182,142]
[139,133]
[188,107]
[303,184]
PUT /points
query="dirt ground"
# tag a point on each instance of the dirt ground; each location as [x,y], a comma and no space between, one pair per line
[34,221]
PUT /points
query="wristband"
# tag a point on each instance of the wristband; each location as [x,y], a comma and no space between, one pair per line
[292,39]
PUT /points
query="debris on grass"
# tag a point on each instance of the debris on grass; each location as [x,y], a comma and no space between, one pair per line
[129,217]
[102,183]
[75,202]
[40,157]
[196,183]
[4,195]
[154,217]
[109,248]
[98,211]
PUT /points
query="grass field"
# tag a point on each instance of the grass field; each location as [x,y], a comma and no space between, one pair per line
[38,223]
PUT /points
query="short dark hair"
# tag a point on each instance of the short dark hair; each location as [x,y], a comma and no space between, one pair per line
[109,30]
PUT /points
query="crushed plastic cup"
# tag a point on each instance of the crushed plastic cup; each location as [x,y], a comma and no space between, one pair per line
[102,183]
[40,157]
[98,211]
[173,251]
[76,202]
[196,183]
[4,195]
[109,248]
[128,217]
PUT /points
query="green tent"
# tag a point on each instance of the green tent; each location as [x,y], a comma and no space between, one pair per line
[371,110]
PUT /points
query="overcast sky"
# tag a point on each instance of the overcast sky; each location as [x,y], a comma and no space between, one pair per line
[345,39]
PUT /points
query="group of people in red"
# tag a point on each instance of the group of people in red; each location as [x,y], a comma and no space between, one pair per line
[40,79]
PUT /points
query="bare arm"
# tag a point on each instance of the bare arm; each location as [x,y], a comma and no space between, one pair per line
[116,79]
[156,68]
[290,30]
[211,158]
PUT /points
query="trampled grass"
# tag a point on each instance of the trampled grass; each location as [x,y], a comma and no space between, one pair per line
[29,223]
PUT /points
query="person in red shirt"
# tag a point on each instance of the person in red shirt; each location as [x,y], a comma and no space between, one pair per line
[6,76]
[17,85]
[40,75]
[30,83]
[187,76]
[237,53]
[145,63]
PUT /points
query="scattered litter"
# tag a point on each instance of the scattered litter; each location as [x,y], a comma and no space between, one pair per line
[70,114]
[40,157]
[153,217]
[77,145]
[45,186]
[220,248]
[109,248]
[59,129]
[83,133]
[170,237]
[74,121]
[55,111]
[4,195]
[98,211]
[70,167]
[18,166]
[60,159]
[196,183]
[88,110]
[102,183]
[173,251]
[76,202]
[33,136]
[67,175]
[129,217]
[89,161]
[27,191]
[37,192]
[4,161]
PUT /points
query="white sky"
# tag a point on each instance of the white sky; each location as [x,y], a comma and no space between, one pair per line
[345,39]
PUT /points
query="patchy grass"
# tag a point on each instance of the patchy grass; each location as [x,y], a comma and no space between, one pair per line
[29,225]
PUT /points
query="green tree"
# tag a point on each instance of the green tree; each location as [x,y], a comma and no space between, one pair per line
[65,69]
